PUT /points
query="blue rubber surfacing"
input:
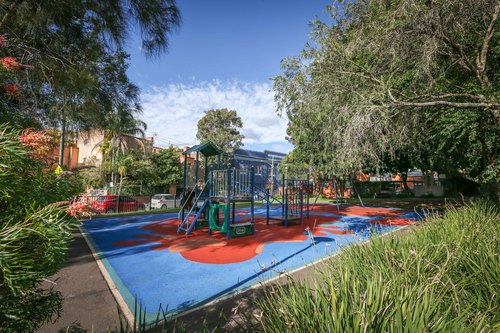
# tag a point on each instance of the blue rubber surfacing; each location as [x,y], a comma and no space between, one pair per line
[161,277]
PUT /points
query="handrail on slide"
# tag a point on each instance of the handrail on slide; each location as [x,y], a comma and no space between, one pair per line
[180,225]
[184,203]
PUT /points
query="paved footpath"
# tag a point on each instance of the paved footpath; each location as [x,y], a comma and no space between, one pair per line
[87,298]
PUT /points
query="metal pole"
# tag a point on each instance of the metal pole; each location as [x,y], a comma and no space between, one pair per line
[252,191]
[268,204]
[301,198]
[228,234]
[283,198]
[235,192]
[205,178]
[286,208]
[334,179]
[197,166]
[307,198]
[184,184]
[210,201]
[357,193]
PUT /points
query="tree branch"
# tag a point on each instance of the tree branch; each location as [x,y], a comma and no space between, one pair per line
[8,11]
[363,75]
[462,105]
[482,56]
[451,95]
[462,60]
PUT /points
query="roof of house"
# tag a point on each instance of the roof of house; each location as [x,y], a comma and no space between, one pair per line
[265,156]
[207,149]
[250,153]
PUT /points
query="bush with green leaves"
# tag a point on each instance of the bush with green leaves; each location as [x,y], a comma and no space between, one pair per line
[443,277]
[35,231]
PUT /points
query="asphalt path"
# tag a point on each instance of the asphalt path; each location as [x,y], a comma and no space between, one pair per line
[88,302]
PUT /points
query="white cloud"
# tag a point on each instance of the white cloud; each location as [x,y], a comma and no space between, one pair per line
[173,111]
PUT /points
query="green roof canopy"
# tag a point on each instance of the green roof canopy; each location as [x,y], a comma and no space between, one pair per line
[207,149]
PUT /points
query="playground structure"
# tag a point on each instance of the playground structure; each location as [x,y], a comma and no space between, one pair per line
[295,201]
[218,191]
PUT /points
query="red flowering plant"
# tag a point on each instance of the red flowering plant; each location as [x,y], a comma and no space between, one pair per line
[39,142]
[12,90]
[10,63]
[80,209]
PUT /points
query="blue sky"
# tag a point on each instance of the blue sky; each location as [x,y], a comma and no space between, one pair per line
[223,55]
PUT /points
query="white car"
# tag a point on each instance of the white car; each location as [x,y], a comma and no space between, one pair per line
[163,201]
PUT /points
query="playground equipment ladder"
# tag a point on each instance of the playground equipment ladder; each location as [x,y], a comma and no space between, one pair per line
[266,197]
[195,211]
[295,201]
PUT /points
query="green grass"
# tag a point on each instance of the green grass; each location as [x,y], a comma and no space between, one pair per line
[443,277]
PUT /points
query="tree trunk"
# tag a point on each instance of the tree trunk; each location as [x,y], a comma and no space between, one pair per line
[428,181]
[404,178]
[119,191]
[61,144]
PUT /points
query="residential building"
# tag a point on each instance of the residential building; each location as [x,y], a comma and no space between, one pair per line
[264,163]
[89,142]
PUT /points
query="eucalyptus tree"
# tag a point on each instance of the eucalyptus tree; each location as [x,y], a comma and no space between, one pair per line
[371,80]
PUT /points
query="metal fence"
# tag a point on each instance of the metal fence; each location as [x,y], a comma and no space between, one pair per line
[110,204]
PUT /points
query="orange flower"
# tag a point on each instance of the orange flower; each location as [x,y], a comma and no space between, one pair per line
[10,63]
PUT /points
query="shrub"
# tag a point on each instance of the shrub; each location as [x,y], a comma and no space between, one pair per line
[34,234]
[443,277]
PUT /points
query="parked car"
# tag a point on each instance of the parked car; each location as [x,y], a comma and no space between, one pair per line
[163,201]
[107,204]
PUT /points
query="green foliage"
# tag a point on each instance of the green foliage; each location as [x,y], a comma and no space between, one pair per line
[34,234]
[293,167]
[74,66]
[372,81]
[222,127]
[139,172]
[464,141]
[443,277]
[167,168]
[92,177]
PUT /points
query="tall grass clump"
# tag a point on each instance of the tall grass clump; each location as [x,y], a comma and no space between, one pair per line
[443,277]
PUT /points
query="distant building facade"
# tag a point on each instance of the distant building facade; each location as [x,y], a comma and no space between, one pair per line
[264,163]
[89,152]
